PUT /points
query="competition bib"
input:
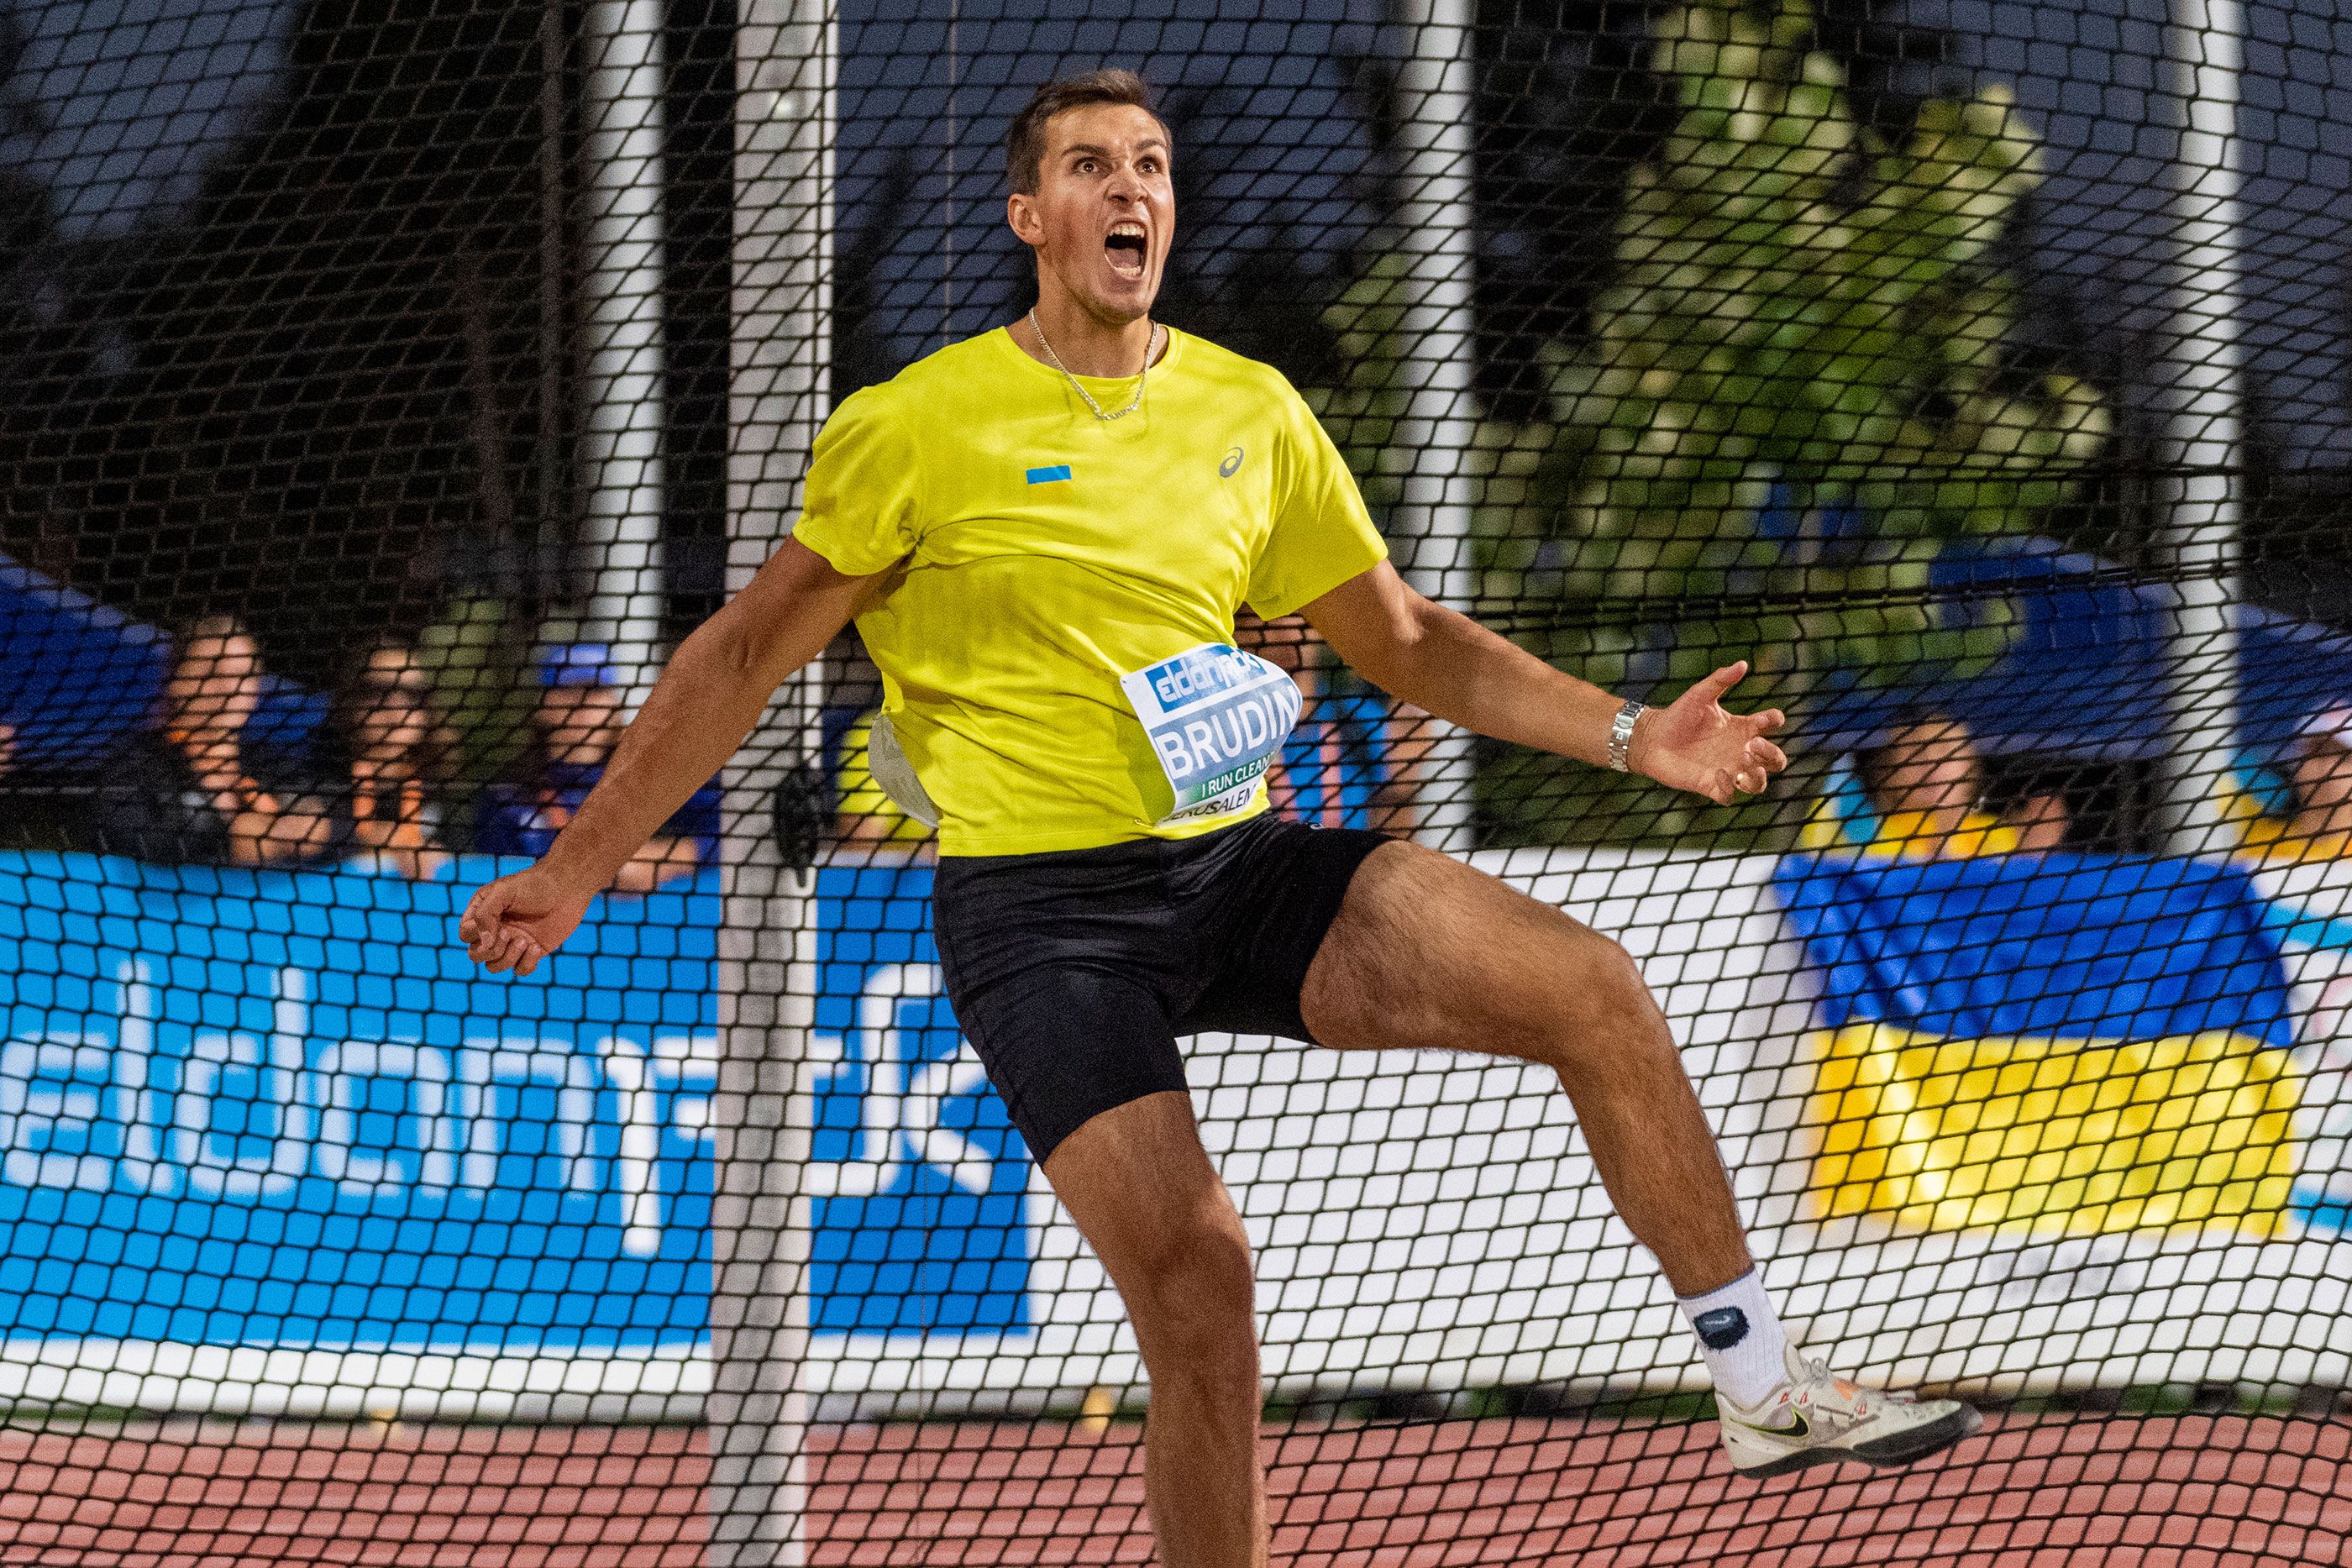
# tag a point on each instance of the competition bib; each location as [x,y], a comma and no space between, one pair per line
[886,761]
[1216,717]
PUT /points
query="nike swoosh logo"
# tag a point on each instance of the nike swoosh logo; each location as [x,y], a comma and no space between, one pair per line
[1799,1427]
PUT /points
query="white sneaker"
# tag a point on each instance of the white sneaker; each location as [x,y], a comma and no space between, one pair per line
[1817,1419]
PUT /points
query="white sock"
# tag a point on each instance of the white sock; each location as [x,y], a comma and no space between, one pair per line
[1740,1335]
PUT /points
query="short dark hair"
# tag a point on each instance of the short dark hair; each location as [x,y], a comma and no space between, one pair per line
[216,625]
[1024,143]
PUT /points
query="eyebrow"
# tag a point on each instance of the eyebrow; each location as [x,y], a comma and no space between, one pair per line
[1077,147]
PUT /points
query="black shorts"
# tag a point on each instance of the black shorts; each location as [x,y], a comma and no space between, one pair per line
[1073,972]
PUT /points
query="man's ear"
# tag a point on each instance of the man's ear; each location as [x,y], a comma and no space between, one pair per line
[1021,211]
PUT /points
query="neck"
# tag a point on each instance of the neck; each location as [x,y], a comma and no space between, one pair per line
[1086,344]
[1935,824]
[2322,820]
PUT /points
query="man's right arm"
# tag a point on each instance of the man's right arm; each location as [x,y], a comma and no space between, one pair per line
[698,714]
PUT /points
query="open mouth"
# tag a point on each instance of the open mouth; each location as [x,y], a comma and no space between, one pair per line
[1123,249]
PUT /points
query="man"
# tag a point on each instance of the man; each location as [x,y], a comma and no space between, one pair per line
[1043,535]
[2320,828]
[578,718]
[1926,781]
[393,747]
[192,790]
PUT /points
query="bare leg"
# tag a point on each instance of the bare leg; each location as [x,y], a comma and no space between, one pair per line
[1141,1189]
[1427,952]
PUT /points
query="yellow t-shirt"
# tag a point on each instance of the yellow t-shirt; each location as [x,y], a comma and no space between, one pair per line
[861,796]
[1042,554]
[2274,842]
[1905,835]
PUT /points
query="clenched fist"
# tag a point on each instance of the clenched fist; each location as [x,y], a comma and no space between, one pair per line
[518,920]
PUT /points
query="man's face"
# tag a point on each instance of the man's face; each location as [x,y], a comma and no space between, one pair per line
[1931,766]
[1104,210]
[2323,776]
[216,685]
[394,716]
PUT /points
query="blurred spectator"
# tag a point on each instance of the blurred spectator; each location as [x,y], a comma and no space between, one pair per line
[396,748]
[868,815]
[7,762]
[1926,783]
[191,790]
[1343,764]
[2041,820]
[2040,801]
[577,724]
[2320,787]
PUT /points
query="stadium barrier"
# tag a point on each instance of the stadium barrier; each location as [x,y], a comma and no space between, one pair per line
[269,1145]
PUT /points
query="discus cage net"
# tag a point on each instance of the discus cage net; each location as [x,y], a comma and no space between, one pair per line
[386,388]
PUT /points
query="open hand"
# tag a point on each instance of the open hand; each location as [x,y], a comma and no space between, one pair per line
[1694,744]
[518,920]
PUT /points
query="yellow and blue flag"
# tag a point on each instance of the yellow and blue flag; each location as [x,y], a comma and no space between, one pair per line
[2045,1043]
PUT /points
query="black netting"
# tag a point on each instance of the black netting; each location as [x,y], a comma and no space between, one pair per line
[386,390]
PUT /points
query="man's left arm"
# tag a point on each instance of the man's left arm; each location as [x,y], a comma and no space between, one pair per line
[1441,661]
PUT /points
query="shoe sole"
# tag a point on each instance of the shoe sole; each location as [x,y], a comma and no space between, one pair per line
[1902,1448]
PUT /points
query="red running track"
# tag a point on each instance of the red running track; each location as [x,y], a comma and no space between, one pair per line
[2170,1492]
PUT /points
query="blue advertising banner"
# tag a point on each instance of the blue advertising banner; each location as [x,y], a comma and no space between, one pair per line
[921,1181]
[283,1109]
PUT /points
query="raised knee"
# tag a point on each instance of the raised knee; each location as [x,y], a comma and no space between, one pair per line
[1612,979]
[1598,999]
[1543,969]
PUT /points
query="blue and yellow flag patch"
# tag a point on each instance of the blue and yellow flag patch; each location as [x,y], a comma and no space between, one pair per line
[2051,1044]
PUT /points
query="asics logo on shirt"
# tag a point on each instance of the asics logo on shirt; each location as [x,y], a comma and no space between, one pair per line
[1232,463]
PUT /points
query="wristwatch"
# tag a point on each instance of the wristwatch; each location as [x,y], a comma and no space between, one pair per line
[1621,735]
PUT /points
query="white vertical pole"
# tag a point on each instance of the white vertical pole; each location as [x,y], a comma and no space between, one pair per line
[2200,449]
[623,80]
[779,366]
[1433,518]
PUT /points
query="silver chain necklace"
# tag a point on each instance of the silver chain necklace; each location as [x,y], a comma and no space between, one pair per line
[1133,403]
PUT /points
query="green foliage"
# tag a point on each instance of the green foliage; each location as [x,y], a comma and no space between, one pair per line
[1797,303]
[1364,410]
[478,655]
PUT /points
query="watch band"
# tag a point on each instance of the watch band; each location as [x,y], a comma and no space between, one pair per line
[1621,735]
